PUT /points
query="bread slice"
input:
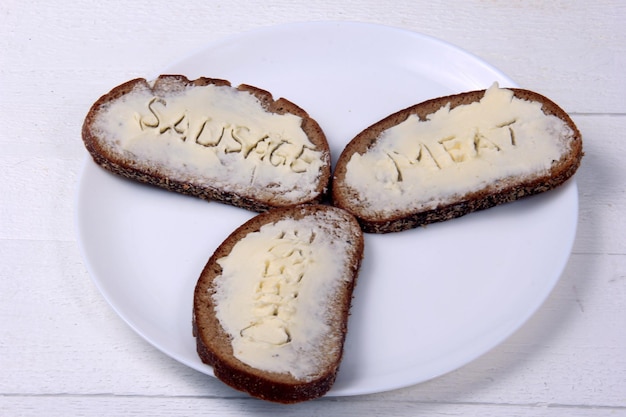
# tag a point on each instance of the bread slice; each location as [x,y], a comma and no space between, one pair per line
[453,155]
[271,306]
[208,139]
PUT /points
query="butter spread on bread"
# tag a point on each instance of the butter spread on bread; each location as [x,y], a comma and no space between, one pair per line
[449,156]
[289,268]
[271,306]
[207,138]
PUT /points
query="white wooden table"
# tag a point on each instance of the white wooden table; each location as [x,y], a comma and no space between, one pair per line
[63,351]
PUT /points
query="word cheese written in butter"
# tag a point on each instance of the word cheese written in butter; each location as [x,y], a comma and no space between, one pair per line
[271,292]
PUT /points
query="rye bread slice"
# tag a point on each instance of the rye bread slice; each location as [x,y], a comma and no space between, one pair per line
[397,217]
[339,254]
[226,182]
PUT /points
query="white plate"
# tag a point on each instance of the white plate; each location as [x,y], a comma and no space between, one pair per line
[428,300]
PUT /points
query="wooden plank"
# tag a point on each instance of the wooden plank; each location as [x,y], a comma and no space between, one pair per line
[601,186]
[584,52]
[107,405]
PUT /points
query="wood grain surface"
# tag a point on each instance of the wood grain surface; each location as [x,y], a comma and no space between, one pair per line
[64,351]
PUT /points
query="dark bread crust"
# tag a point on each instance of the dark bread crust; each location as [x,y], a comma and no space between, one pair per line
[495,194]
[214,344]
[164,84]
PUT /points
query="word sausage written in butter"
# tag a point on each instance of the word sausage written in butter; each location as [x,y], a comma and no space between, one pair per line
[224,137]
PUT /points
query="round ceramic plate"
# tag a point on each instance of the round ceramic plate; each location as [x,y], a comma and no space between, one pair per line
[427,301]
